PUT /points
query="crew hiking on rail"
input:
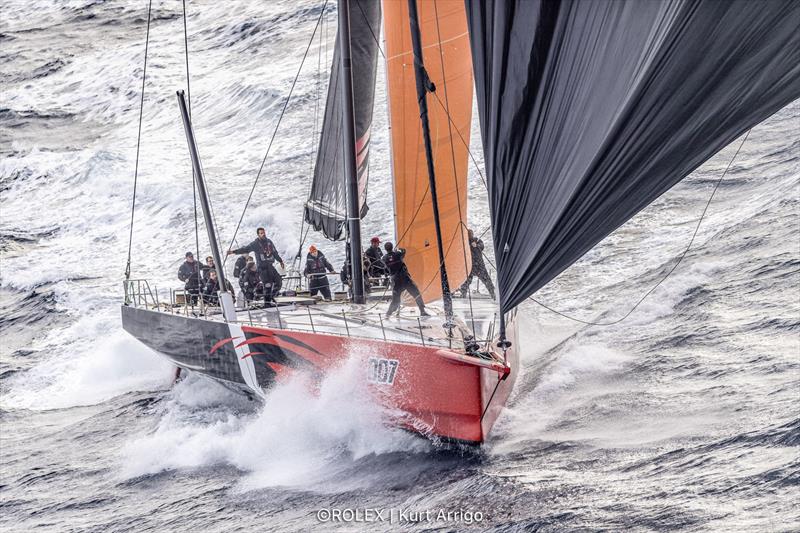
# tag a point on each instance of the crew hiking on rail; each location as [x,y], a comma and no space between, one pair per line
[266,255]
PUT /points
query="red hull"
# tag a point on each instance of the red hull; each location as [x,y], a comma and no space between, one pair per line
[436,391]
[439,392]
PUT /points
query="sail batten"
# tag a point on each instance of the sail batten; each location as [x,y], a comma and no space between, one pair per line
[592,110]
[326,208]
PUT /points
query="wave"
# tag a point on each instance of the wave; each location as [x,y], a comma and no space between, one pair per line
[299,437]
[786,434]
[15,118]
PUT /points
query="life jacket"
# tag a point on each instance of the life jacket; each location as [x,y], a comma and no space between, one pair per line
[267,250]
[394,262]
[315,265]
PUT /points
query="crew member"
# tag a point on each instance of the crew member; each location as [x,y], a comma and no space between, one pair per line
[266,255]
[189,272]
[250,281]
[401,279]
[211,288]
[207,268]
[241,263]
[316,265]
[374,256]
[239,268]
[478,267]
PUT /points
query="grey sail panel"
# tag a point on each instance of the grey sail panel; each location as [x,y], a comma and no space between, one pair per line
[591,110]
[326,208]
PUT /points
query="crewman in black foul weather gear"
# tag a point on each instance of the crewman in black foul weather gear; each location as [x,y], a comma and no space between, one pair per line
[266,255]
[316,267]
[207,268]
[374,251]
[189,272]
[374,256]
[211,288]
[250,282]
[478,267]
[241,263]
[401,280]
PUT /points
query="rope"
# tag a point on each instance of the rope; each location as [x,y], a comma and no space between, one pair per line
[275,131]
[138,141]
[671,270]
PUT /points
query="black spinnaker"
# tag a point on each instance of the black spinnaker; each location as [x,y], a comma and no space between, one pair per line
[326,208]
[590,110]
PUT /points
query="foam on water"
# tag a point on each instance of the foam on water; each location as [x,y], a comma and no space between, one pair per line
[83,365]
[303,435]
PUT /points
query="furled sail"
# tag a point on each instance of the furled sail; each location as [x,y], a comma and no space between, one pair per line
[326,208]
[591,110]
[446,55]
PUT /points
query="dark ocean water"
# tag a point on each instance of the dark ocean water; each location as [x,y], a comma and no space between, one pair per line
[685,416]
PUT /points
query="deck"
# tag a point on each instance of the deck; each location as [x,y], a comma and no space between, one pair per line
[474,322]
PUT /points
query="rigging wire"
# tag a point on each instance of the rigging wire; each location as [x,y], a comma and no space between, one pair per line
[277,126]
[317,90]
[138,141]
[461,226]
[189,110]
[671,270]
[194,183]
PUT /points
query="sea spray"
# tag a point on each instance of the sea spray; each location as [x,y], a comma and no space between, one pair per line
[303,434]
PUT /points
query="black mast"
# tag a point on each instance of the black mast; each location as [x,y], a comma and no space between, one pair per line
[204,202]
[424,84]
[351,177]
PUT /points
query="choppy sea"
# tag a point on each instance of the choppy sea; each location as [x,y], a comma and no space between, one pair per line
[685,416]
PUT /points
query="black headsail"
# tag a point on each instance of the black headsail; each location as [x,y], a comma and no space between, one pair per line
[591,110]
[326,208]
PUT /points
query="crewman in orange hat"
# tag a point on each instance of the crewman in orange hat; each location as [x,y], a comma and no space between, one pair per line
[315,271]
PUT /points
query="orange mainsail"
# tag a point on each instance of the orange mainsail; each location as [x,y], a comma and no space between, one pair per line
[447,58]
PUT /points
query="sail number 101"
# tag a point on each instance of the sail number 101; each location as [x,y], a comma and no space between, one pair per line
[382,371]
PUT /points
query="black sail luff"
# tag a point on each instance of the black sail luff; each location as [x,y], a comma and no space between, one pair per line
[326,208]
[589,111]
